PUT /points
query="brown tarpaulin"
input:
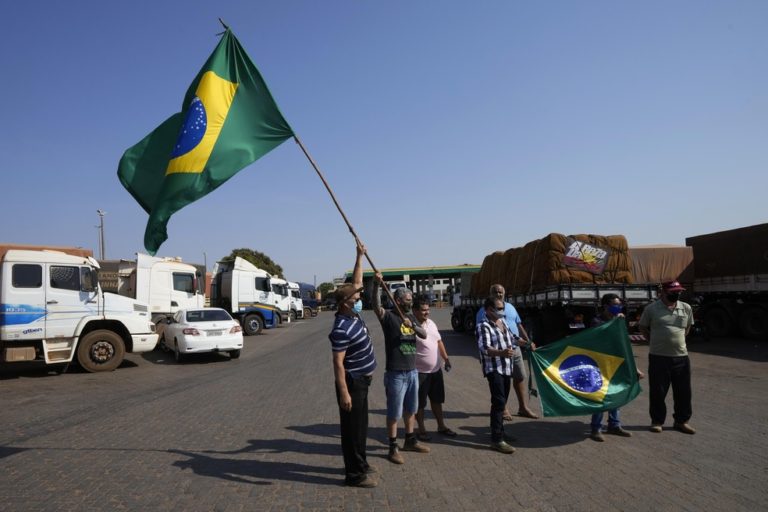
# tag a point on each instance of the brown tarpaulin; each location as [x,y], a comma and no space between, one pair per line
[659,263]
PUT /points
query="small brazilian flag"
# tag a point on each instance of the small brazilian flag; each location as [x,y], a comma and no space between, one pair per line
[228,120]
[588,372]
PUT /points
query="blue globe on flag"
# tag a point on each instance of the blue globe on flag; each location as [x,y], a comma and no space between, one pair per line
[581,373]
[193,129]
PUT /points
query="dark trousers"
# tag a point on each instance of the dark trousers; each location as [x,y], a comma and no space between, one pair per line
[499,386]
[663,371]
[354,428]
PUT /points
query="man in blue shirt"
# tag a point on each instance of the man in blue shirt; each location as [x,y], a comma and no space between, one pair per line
[353,366]
[518,371]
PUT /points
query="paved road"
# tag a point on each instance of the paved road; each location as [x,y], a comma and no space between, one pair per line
[261,433]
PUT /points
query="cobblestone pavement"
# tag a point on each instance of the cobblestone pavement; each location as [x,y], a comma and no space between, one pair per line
[261,433]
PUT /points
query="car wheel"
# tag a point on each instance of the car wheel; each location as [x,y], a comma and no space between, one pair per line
[100,351]
[177,353]
[252,325]
[234,354]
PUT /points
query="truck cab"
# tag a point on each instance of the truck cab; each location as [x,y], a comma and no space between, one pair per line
[297,305]
[282,298]
[166,284]
[245,291]
[52,309]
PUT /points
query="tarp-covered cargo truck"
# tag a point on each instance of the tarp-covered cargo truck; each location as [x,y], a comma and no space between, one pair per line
[52,309]
[556,282]
[731,281]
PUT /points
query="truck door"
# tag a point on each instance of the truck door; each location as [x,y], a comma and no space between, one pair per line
[65,302]
[184,292]
[22,316]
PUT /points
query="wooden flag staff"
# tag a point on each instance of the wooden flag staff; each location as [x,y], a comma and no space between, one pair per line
[351,229]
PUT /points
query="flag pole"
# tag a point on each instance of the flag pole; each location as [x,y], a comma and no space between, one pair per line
[346,220]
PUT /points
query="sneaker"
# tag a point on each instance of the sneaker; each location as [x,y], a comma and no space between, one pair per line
[684,428]
[596,435]
[618,431]
[656,429]
[394,456]
[413,445]
[503,447]
[365,482]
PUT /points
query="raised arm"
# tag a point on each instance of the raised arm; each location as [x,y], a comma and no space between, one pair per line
[376,299]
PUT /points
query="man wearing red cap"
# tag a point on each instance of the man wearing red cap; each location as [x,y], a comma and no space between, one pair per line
[665,323]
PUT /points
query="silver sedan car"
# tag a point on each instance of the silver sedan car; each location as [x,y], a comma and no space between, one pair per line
[198,330]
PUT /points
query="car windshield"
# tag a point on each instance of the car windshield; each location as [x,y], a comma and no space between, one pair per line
[208,315]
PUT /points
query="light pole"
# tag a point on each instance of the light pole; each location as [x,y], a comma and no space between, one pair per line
[101,213]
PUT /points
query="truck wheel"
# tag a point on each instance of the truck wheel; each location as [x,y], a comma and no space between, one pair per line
[100,351]
[456,323]
[278,320]
[252,325]
[753,323]
[469,322]
[234,354]
[293,315]
[717,322]
[307,313]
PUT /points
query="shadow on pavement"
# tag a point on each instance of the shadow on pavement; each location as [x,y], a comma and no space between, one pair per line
[738,348]
[254,471]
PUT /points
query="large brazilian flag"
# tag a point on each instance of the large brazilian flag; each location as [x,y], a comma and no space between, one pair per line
[588,372]
[228,120]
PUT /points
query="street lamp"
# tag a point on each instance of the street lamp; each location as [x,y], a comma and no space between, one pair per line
[101,214]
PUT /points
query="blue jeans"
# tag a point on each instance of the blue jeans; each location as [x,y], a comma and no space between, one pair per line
[613,419]
[402,389]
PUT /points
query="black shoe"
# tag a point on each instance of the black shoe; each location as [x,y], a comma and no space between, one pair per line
[618,431]
[365,482]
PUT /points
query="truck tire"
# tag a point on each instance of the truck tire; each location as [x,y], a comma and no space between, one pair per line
[469,322]
[753,323]
[718,322]
[293,315]
[100,351]
[307,313]
[278,320]
[252,325]
[456,323]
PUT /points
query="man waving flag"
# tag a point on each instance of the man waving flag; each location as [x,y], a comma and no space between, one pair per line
[588,372]
[228,120]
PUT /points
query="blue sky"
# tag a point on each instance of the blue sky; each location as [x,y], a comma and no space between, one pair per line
[447,129]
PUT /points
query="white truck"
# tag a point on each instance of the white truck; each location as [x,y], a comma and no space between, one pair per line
[297,304]
[245,291]
[166,284]
[52,309]
[282,299]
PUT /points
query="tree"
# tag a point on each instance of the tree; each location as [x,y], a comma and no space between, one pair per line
[259,259]
[325,289]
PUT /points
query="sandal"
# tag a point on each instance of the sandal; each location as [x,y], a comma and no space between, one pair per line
[423,436]
[447,432]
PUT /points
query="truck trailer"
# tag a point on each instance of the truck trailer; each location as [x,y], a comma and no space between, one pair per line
[731,281]
[556,282]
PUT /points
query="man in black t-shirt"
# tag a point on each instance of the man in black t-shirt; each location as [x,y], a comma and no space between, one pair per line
[401,379]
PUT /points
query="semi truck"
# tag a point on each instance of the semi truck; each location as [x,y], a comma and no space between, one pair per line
[731,281]
[281,299]
[556,282]
[245,291]
[53,310]
[310,299]
[166,284]
[297,303]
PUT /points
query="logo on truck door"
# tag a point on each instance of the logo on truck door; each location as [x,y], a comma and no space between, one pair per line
[584,256]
